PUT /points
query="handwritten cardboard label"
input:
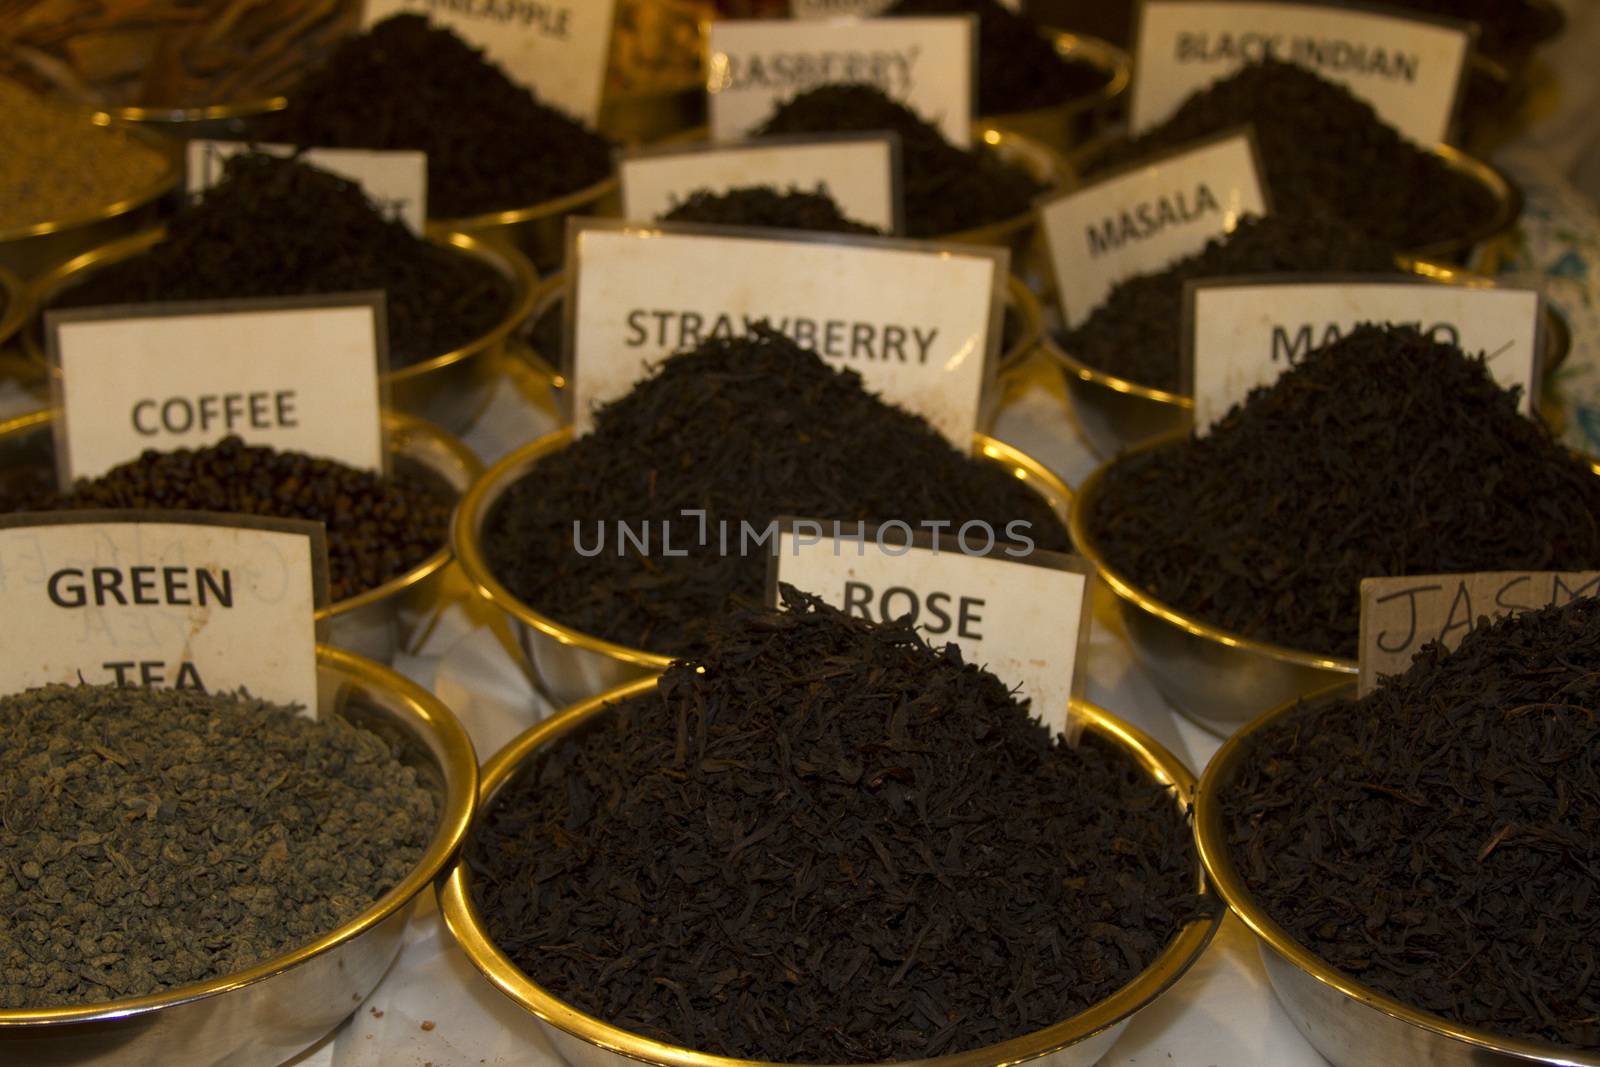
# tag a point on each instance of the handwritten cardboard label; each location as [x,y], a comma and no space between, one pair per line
[1245,332]
[921,323]
[396,182]
[861,174]
[1021,612]
[1146,217]
[295,373]
[822,9]
[1409,69]
[179,600]
[1400,615]
[557,48]
[925,63]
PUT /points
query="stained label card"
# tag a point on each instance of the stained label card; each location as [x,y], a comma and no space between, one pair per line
[1400,615]
[397,182]
[557,48]
[1245,332]
[860,174]
[925,63]
[186,601]
[1144,218]
[1021,612]
[822,9]
[296,373]
[1409,69]
[921,323]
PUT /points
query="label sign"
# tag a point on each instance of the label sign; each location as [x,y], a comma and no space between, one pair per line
[1020,612]
[186,601]
[1400,615]
[1410,70]
[397,182]
[1245,332]
[919,322]
[1148,216]
[861,174]
[925,63]
[821,9]
[557,48]
[296,373]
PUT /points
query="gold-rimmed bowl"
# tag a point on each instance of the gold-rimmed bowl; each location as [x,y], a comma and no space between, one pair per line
[377,623]
[1350,1023]
[269,1013]
[538,231]
[450,389]
[204,122]
[571,665]
[1072,122]
[585,1041]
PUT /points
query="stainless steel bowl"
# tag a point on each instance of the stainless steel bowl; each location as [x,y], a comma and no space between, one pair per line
[585,1041]
[571,665]
[268,1014]
[538,231]
[209,122]
[1351,1024]
[451,389]
[377,623]
[1072,122]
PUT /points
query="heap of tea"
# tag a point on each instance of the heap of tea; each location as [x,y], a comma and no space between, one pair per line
[947,189]
[763,205]
[747,429]
[378,528]
[280,227]
[823,841]
[1019,68]
[1436,840]
[1385,453]
[1136,333]
[156,837]
[406,84]
[1324,149]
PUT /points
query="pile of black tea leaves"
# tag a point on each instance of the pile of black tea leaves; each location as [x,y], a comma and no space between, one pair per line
[1019,69]
[155,838]
[747,429]
[947,189]
[765,205]
[1324,148]
[824,841]
[1384,453]
[281,227]
[378,528]
[1436,839]
[1136,332]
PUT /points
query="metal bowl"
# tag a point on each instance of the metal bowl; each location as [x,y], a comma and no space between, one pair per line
[571,665]
[451,389]
[585,1041]
[538,231]
[1351,1024]
[268,1014]
[13,306]
[1072,122]
[210,122]
[376,623]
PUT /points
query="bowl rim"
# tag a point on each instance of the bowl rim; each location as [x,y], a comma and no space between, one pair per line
[544,209]
[465,925]
[1211,841]
[173,116]
[458,763]
[14,306]
[1084,50]
[171,173]
[472,511]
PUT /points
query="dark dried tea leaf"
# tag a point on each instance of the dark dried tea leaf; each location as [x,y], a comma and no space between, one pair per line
[763,205]
[823,841]
[1439,839]
[150,838]
[1383,454]
[747,429]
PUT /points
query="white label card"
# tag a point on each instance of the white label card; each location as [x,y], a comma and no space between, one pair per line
[557,48]
[190,601]
[860,174]
[1247,332]
[925,63]
[822,9]
[397,182]
[297,373]
[1410,70]
[921,323]
[1147,217]
[1400,615]
[1020,612]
